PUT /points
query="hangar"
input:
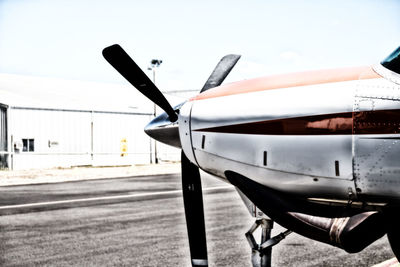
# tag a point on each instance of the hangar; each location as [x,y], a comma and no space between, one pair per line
[48,123]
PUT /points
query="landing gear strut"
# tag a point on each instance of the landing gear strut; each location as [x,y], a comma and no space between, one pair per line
[261,253]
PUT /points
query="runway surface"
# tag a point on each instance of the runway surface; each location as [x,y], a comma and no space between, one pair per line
[139,221]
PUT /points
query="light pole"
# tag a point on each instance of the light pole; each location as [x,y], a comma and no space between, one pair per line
[154,63]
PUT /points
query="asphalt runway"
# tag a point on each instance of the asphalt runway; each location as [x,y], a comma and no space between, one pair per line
[139,221]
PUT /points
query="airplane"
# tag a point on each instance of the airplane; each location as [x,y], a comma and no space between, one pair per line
[316,152]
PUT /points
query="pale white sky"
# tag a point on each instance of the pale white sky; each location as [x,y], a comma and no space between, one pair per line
[64,38]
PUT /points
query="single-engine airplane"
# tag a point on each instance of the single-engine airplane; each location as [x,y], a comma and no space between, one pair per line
[317,152]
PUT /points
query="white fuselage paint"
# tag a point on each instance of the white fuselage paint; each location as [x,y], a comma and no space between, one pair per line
[301,164]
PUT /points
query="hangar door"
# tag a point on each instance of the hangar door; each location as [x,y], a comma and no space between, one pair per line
[3,137]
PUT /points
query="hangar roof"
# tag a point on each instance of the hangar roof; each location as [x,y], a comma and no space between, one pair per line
[50,93]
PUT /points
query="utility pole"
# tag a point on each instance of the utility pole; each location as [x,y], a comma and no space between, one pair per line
[154,63]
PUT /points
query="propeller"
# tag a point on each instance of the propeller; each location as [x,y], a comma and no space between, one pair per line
[193,202]
[164,129]
[124,64]
[223,68]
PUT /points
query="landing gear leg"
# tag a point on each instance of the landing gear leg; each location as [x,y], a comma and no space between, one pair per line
[261,253]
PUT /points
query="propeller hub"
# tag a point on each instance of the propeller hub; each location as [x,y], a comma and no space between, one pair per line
[163,130]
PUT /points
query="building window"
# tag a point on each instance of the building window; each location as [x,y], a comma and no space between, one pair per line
[28,145]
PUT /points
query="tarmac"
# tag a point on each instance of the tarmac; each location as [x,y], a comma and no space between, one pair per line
[57,175]
[389,263]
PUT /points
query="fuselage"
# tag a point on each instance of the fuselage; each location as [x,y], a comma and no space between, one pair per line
[317,151]
[323,134]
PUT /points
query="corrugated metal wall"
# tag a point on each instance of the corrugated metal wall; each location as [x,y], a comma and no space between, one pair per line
[3,137]
[61,138]
[65,138]
[112,131]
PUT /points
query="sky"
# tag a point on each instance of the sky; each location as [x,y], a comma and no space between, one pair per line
[64,39]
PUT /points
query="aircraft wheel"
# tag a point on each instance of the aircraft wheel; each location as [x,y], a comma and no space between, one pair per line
[394,240]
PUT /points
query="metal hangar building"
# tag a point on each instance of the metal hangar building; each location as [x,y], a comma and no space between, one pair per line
[46,123]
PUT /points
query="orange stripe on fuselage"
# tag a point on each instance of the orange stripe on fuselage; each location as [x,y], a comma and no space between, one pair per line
[289,80]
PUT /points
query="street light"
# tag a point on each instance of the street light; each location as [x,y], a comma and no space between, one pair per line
[154,63]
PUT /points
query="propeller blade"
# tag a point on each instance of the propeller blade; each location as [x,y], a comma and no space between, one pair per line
[124,64]
[220,72]
[193,202]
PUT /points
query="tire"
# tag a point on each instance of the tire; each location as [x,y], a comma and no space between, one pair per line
[394,240]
